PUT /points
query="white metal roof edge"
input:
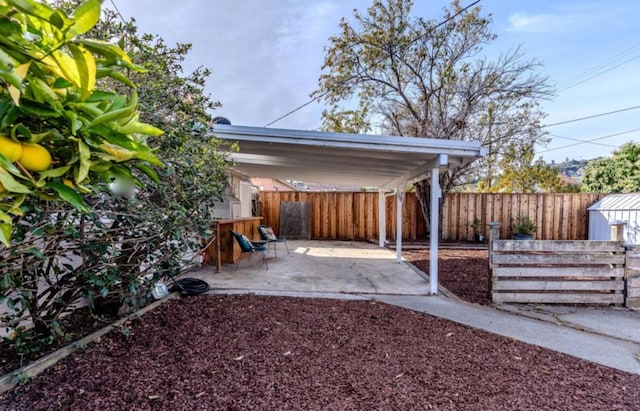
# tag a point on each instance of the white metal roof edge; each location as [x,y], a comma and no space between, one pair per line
[617,202]
[348,141]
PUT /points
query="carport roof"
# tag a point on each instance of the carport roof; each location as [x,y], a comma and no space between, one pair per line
[342,159]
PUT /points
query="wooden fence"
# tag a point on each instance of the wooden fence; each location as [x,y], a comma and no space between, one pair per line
[354,215]
[556,216]
[570,272]
[346,215]
[592,272]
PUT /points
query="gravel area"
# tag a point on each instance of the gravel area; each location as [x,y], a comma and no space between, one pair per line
[251,352]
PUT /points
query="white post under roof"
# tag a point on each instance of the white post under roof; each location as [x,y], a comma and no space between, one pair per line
[434,235]
[382,217]
[399,207]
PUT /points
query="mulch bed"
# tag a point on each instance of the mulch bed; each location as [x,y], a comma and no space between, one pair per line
[464,272]
[80,324]
[250,352]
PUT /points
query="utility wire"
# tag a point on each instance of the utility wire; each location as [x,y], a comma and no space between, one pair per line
[589,141]
[603,68]
[582,141]
[113,3]
[590,117]
[599,74]
[318,97]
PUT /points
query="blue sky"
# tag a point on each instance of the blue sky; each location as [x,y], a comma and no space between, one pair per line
[266,57]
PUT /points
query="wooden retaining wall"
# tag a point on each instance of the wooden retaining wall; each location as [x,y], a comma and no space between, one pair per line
[354,215]
[569,272]
[632,277]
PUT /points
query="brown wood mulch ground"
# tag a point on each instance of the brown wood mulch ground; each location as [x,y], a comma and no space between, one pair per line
[464,272]
[251,352]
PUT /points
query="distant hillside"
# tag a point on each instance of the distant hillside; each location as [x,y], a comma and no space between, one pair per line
[572,169]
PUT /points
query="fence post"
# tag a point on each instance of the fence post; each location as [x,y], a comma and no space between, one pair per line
[494,234]
[617,231]
[632,277]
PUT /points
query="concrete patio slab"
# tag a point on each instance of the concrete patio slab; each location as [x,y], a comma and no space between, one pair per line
[321,267]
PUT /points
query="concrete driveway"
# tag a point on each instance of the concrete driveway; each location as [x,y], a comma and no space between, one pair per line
[321,267]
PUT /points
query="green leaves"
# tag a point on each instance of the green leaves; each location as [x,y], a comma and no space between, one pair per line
[51,76]
[86,69]
[69,195]
[99,141]
[619,173]
[10,183]
[113,54]
[84,18]
[5,233]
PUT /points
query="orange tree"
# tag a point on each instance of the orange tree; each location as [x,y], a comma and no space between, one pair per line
[58,131]
[90,227]
[62,140]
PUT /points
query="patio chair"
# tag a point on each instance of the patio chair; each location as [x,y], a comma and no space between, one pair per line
[266,233]
[247,247]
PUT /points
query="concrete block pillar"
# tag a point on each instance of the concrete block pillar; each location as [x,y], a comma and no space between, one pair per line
[617,231]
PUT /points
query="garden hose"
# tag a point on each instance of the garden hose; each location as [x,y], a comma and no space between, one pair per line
[190,286]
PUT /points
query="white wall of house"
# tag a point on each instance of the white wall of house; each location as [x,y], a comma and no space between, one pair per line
[236,200]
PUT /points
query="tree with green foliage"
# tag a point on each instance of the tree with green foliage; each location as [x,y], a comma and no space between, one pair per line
[619,173]
[520,173]
[65,132]
[429,78]
[131,231]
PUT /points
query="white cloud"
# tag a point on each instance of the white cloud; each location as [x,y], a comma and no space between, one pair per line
[565,18]
[523,21]
[546,23]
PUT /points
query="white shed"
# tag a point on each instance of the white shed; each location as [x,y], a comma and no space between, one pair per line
[616,208]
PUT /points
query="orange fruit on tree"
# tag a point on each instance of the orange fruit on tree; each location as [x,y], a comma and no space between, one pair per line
[35,157]
[9,148]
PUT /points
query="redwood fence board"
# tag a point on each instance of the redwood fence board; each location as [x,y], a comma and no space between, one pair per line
[354,215]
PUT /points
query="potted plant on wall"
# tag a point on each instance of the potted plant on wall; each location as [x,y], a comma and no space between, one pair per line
[523,228]
[477,232]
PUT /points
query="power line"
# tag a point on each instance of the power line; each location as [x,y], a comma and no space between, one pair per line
[582,141]
[413,41]
[499,123]
[589,141]
[599,74]
[601,68]
[591,116]
[118,11]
